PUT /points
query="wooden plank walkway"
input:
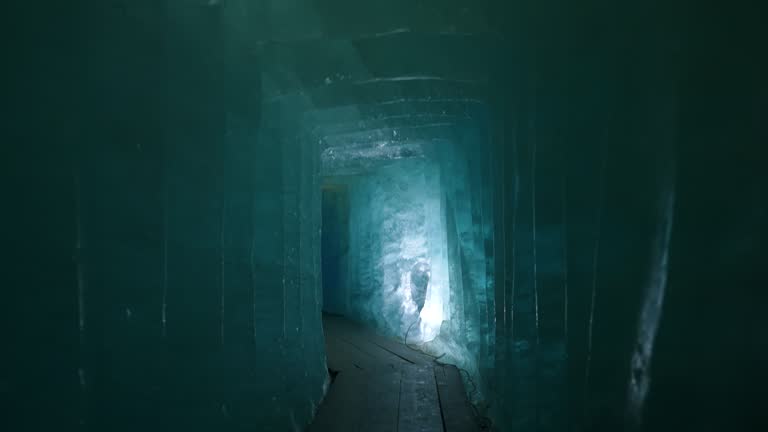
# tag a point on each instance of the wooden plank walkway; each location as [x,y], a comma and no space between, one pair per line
[384,386]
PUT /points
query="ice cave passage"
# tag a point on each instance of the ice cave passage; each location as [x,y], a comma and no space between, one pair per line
[383,215]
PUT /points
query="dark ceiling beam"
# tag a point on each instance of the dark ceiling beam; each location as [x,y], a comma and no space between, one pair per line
[416,77]
[307,66]
[400,107]
[438,107]
[383,34]
[346,160]
[344,93]
[393,122]
[426,133]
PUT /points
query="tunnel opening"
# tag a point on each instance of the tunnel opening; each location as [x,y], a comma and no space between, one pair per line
[396,267]
[404,263]
[416,236]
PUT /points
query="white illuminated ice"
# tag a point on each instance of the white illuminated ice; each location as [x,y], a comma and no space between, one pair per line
[398,239]
[418,247]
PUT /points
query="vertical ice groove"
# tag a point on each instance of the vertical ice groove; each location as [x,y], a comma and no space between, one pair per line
[222,216]
[164,308]
[80,277]
[533,229]
[253,292]
[653,299]
[515,209]
[503,227]
[482,229]
[564,234]
[537,356]
[252,265]
[285,247]
[595,256]
[282,285]
[301,244]
[79,258]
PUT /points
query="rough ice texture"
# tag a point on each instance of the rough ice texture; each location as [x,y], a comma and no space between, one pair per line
[396,240]
[466,340]
[362,158]
[422,214]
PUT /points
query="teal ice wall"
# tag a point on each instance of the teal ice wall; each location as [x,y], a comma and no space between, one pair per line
[626,163]
[167,241]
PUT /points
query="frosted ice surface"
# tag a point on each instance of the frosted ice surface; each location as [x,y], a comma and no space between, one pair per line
[417,255]
[400,273]
[347,159]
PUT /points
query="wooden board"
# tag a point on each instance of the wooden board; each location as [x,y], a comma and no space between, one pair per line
[343,356]
[383,386]
[368,337]
[419,404]
[382,402]
[458,415]
[343,408]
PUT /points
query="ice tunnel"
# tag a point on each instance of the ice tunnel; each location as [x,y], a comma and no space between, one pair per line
[400,267]
[384,216]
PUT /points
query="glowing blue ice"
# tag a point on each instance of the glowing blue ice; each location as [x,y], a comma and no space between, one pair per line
[398,250]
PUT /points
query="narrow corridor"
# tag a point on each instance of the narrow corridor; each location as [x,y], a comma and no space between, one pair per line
[566,200]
